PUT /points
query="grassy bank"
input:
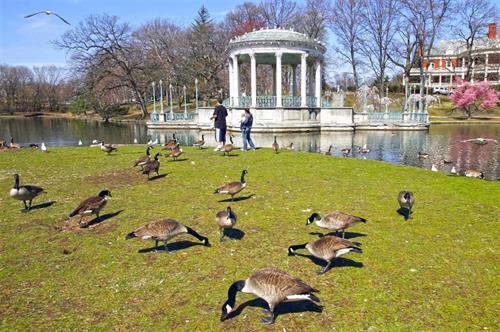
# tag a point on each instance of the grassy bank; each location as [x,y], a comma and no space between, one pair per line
[438,271]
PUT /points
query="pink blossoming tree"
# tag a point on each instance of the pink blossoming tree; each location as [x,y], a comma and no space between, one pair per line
[475,97]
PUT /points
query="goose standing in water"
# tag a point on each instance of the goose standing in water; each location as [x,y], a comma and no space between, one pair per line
[200,142]
[335,221]
[327,248]
[406,200]
[232,188]
[273,286]
[422,155]
[275,146]
[92,205]
[164,230]
[25,193]
[345,152]
[225,219]
[143,160]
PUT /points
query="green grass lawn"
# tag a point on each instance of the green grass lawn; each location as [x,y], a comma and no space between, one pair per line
[437,271]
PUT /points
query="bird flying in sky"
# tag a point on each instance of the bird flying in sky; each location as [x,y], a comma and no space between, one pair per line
[48,12]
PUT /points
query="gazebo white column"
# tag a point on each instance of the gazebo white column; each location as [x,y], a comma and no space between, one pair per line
[236,81]
[318,84]
[253,79]
[231,78]
[303,80]
[278,79]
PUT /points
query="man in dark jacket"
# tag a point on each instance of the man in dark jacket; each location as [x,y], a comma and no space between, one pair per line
[219,117]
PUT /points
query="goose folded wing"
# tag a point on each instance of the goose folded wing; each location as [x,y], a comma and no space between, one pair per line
[89,204]
[33,189]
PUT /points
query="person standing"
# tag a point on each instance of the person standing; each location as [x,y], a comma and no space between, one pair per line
[246,127]
[219,117]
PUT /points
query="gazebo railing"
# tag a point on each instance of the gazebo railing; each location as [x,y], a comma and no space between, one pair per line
[378,116]
[291,101]
[180,116]
[245,101]
[266,101]
[311,101]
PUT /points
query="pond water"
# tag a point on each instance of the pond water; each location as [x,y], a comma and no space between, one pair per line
[441,142]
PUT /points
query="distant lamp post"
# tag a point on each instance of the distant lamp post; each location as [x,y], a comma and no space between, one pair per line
[154,97]
[196,93]
[161,97]
[386,99]
[170,95]
[185,105]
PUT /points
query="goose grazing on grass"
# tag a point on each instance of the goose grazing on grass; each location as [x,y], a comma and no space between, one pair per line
[108,148]
[422,155]
[335,221]
[453,170]
[152,166]
[80,143]
[143,160]
[472,173]
[273,286]
[329,152]
[225,219]
[14,145]
[164,230]
[434,168]
[327,248]
[170,145]
[92,205]
[25,193]
[227,148]
[232,188]
[200,142]
[275,146]
[345,152]
[406,200]
[290,147]
[176,152]
[44,147]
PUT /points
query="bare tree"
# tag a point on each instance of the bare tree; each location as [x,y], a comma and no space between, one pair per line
[473,17]
[279,13]
[314,18]
[346,24]
[14,87]
[244,18]
[379,32]
[101,43]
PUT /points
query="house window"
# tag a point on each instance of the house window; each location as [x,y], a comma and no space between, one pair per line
[494,59]
[492,77]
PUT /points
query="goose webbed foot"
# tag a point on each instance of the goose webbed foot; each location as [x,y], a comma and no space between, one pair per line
[323,270]
[266,311]
[267,320]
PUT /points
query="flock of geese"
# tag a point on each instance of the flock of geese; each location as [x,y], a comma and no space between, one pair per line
[272,285]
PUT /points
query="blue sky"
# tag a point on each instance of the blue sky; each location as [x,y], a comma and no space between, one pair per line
[27,41]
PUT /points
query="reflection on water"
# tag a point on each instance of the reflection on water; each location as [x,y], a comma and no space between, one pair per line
[442,142]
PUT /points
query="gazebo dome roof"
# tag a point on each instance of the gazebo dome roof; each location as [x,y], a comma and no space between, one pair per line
[276,37]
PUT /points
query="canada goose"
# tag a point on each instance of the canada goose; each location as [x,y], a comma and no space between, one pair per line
[92,205]
[170,145]
[445,161]
[434,168]
[201,142]
[44,147]
[273,286]
[364,149]
[345,151]
[164,230]
[472,173]
[14,145]
[25,193]
[290,147]
[34,145]
[232,188]
[80,143]
[335,221]
[108,148]
[227,148]
[2,145]
[143,160]
[275,146]
[329,152]
[225,219]
[406,200]
[453,170]
[327,248]
[152,166]
[176,152]
[422,155]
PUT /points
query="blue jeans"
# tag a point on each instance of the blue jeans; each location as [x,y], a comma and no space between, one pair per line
[245,135]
